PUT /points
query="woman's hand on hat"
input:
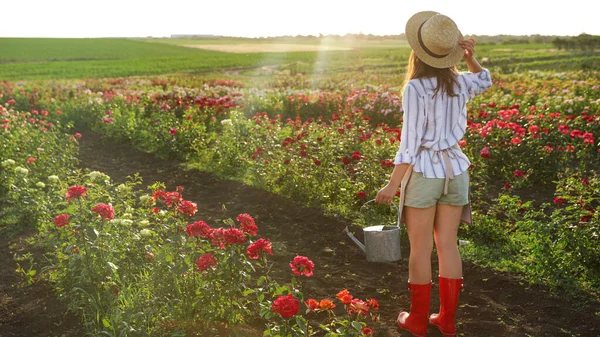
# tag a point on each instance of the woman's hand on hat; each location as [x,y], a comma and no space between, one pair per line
[469,47]
[386,195]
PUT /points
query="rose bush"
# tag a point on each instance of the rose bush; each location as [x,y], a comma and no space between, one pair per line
[331,146]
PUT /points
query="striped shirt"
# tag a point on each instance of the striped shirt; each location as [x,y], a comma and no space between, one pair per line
[437,123]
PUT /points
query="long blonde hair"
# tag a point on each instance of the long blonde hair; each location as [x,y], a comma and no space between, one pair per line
[446,77]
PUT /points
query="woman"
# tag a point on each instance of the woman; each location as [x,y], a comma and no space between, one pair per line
[435,119]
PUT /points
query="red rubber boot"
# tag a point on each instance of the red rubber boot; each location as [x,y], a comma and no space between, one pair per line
[415,322]
[449,293]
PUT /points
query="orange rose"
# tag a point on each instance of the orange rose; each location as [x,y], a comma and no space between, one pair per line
[326,305]
[342,294]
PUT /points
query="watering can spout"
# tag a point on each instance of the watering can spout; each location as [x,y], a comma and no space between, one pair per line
[358,243]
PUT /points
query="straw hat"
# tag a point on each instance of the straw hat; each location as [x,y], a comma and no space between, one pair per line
[434,38]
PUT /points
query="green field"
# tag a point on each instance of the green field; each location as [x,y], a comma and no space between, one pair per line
[28,59]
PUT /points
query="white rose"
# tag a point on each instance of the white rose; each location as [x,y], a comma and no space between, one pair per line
[146,232]
[21,170]
[8,162]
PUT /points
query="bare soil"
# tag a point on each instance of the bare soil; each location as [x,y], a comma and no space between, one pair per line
[34,310]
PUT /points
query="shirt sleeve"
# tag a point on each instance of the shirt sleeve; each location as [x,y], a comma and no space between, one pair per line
[412,126]
[476,83]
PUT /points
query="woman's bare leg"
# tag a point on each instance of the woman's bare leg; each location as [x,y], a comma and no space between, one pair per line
[419,224]
[447,220]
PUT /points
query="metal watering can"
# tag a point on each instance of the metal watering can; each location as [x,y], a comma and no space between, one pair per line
[382,243]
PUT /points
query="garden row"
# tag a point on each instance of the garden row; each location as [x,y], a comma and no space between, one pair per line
[333,149]
[137,263]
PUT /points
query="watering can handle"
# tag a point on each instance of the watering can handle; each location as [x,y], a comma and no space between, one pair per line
[396,206]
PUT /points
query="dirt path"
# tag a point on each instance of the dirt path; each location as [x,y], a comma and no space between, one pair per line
[492,303]
[30,311]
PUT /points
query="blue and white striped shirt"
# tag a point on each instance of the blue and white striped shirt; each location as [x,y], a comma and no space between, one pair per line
[437,123]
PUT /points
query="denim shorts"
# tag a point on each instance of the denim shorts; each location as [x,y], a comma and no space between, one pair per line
[424,192]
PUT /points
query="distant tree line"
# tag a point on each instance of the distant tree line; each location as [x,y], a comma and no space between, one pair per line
[583,42]
[511,39]
[481,39]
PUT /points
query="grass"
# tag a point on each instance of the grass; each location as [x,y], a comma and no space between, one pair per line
[18,50]
[31,59]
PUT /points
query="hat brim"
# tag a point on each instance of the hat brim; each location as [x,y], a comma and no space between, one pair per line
[412,36]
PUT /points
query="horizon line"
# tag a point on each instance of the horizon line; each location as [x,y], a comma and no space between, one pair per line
[209,36]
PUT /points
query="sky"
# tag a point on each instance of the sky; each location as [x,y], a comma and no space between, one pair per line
[256,18]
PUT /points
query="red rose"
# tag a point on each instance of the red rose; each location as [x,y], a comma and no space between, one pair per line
[198,228]
[158,195]
[172,198]
[317,162]
[286,306]
[234,235]
[373,304]
[519,173]
[247,223]
[361,195]
[576,134]
[534,129]
[61,220]
[312,304]
[507,186]
[75,192]
[485,152]
[30,160]
[206,261]
[105,211]
[301,265]
[155,210]
[559,200]
[356,155]
[564,129]
[260,245]
[173,131]
[187,207]
[367,331]
[217,237]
